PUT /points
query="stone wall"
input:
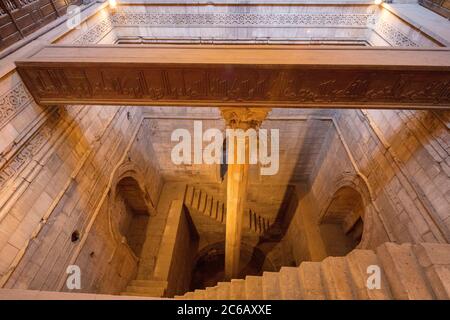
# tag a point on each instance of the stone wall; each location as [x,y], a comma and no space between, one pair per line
[405,157]
[56,182]
[398,161]
[304,231]
[178,247]
[58,167]
[66,195]
[192,23]
[388,29]
[186,244]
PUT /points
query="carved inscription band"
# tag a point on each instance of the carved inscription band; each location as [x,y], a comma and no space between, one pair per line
[238,85]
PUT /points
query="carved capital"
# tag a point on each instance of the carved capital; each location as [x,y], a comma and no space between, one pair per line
[244,118]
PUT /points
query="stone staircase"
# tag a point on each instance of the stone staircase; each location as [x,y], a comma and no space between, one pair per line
[201,202]
[408,272]
[146,288]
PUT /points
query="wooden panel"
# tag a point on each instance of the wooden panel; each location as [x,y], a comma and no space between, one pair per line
[8,31]
[272,76]
[19,18]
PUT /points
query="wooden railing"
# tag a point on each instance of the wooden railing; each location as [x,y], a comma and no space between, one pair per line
[20,18]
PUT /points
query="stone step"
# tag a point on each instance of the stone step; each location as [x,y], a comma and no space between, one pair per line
[148,283]
[141,294]
[223,291]
[153,292]
[196,199]
[421,271]
[199,294]
[267,224]
[253,288]
[218,211]
[404,273]
[134,294]
[310,281]
[289,283]
[336,279]
[208,208]
[202,203]
[221,213]
[214,209]
[250,219]
[211,293]
[189,194]
[255,222]
[428,254]
[363,264]
[183,297]
[271,286]
[259,225]
[189,296]
[434,258]
[439,279]
[237,289]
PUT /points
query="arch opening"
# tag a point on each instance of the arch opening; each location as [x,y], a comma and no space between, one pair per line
[134,219]
[209,266]
[341,226]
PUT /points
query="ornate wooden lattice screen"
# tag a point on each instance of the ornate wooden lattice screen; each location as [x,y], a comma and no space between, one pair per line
[19,18]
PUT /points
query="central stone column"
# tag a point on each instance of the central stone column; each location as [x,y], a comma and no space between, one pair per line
[240,120]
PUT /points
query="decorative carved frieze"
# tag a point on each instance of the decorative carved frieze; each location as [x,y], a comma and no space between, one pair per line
[122,18]
[96,33]
[388,83]
[392,35]
[365,20]
[99,30]
[27,151]
[13,102]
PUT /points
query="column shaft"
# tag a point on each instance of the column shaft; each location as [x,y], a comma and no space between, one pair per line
[237,180]
[236,198]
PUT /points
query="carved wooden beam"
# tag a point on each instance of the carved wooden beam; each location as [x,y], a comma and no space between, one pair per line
[252,76]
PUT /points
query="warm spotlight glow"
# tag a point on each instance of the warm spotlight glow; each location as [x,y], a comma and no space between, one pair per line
[378,1]
[112,3]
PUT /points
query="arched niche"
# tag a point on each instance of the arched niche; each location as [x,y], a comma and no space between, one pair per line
[373,233]
[341,225]
[209,264]
[133,221]
[130,207]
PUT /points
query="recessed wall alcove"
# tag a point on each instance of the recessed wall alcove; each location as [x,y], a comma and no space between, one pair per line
[134,220]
